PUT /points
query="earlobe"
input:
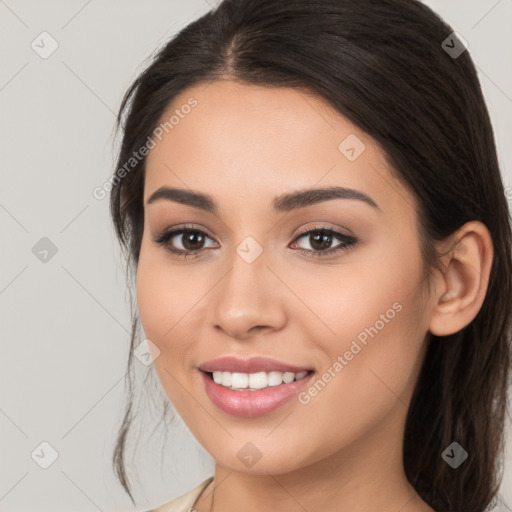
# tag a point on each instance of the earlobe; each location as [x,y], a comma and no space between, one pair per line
[463,283]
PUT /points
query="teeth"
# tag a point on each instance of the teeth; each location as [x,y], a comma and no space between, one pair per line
[238,380]
[253,381]
[288,377]
[225,378]
[274,378]
[257,380]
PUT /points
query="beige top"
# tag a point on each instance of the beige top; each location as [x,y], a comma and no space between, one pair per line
[186,502]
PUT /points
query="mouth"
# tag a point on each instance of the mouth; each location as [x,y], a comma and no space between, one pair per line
[237,381]
[253,394]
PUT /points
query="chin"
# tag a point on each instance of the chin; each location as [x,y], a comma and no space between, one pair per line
[260,458]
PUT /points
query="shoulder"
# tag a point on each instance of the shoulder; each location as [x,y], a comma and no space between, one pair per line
[186,501]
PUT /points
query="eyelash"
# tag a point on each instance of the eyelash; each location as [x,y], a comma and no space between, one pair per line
[346,241]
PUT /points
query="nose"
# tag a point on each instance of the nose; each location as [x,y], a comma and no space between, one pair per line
[249,300]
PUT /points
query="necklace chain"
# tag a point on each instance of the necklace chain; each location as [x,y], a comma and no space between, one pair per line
[213,498]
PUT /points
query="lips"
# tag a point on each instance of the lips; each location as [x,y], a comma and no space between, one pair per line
[254,402]
[252,365]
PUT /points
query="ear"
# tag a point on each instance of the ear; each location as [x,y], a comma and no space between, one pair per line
[462,284]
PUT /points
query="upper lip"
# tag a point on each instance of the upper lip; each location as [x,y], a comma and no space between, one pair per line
[251,365]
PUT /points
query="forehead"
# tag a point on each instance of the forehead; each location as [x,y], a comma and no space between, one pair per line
[243,140]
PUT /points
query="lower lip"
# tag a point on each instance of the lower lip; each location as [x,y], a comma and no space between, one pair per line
[252,403]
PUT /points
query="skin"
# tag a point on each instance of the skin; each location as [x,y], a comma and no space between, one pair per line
[244,145]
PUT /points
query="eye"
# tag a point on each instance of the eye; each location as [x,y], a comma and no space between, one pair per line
[320,240]
[192,241]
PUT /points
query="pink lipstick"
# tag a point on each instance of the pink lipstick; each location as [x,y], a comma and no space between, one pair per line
[252,387]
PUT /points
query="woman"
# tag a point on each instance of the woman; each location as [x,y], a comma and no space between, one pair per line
[309,194]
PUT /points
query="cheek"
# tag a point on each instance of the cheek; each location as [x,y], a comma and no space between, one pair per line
[165,296]
[154,308]
[370,369]
[377,288]
[374,311]
[375,353]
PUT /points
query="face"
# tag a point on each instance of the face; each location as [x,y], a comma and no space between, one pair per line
[330,285]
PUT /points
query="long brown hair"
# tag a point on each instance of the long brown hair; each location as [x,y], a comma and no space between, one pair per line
[384,65]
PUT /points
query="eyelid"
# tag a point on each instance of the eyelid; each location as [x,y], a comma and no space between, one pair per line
[197,227]
[326,226]
[182,227]
[346,240]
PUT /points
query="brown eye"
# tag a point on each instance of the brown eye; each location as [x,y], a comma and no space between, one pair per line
[192,241]
[320,241]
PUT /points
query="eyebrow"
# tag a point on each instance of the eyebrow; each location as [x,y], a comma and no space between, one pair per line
[282,203]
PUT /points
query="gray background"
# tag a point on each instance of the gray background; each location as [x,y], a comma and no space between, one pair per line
[65,322]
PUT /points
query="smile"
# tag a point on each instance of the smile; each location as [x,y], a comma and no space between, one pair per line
[253,381]
[251,394]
